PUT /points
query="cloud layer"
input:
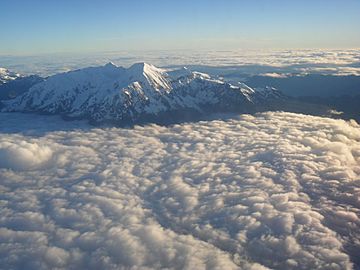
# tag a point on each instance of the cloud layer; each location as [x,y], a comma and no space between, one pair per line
[275,190]
[326,61]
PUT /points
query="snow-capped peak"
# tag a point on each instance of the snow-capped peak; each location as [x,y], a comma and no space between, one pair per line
[142,67]
[144,72]
[110,65]
[137,93]
[6,75]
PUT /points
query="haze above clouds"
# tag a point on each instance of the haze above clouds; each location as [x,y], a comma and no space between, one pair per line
[276,190]
[253,62]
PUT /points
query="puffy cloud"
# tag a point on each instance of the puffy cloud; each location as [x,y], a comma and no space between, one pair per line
[272,190]
[23,155]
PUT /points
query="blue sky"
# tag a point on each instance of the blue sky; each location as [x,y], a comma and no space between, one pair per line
[31,27]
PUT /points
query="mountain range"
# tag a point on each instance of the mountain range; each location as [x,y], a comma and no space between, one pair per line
[140,93]
[13,84]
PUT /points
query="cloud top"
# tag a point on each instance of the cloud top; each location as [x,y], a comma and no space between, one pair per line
[23,155]
[274,190]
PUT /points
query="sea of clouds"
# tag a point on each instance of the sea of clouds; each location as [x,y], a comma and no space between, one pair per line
[273,190]
[253,62]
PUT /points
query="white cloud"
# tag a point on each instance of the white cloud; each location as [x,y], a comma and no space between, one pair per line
[23,155]
[275,190]
[323,61]
[274,75]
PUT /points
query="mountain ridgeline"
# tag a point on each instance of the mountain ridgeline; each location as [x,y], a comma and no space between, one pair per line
[141,93]
[13,84]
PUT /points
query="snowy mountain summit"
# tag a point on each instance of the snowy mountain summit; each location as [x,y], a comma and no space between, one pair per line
[6,75]
[140,93]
